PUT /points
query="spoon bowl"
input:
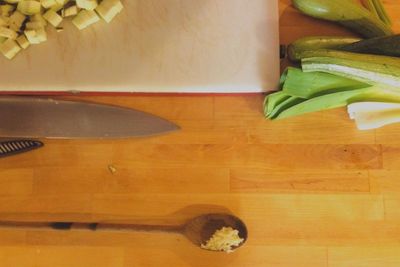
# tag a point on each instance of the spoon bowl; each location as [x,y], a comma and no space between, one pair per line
[200,229]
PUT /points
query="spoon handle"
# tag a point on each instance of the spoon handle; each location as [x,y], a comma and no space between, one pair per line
[70,226]
[138,228]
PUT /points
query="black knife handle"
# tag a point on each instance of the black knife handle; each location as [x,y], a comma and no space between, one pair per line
[14,147]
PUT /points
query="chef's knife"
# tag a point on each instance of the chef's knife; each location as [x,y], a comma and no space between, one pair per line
[31,117]
[14,147]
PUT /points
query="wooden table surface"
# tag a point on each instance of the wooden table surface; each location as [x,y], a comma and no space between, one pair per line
[313,190]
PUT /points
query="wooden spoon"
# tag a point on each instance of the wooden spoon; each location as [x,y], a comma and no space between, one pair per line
[198,230]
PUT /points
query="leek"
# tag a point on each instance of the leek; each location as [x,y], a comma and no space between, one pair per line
[340,99]
[369,4]
[387,46]
[310,84]
[305,92]
[333,76]
[347,13]
[273,100]
[382,12]
[284,105]
[363,107]
[377,8]
[297,48]
[372,69]
[373,115]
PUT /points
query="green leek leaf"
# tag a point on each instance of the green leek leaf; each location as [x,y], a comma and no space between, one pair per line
[310,84]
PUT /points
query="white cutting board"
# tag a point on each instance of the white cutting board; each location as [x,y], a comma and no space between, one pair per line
[179,46]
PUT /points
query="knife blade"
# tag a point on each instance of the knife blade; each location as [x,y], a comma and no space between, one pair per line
[32,117]
[14,147]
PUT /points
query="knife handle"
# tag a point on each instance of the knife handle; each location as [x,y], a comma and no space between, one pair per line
[14,147]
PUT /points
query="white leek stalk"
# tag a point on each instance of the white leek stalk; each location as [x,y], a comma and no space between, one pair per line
[373,115]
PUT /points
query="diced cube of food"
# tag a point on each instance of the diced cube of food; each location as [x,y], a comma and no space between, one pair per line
[85,18]
[59,5]
[41,35]
[108,9]
[16,20]
[6,10]
[22,41]
[48,3]
[33,25]
[70,11]
[8,33]
[3,21]
[38,18]
[53,18]
[87,4]
[32,37]
[9,48]
[24,22]
[29,7]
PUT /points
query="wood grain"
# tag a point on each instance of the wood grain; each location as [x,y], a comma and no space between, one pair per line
[313,190]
